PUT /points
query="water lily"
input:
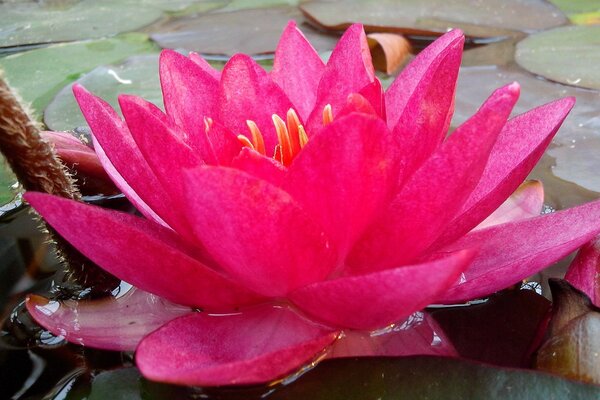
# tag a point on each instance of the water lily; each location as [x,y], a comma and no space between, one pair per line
[280,209]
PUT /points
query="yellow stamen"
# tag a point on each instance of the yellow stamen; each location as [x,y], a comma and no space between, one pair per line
[293,122]
[245,141]
[257,137]
[207,124]
[283,137]
[302,136]
[327,115]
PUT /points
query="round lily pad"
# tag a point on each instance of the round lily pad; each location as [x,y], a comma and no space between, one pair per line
[423,17]
[39,74]
[44,22]
[569,55]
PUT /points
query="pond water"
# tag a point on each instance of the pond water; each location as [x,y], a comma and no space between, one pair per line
[112,47]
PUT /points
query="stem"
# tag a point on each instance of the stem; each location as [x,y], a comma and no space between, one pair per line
[37,168]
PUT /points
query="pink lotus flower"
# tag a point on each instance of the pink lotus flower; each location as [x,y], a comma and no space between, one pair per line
[291,205]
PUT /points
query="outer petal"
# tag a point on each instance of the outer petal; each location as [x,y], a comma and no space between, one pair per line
[256,231]
[349,70]
[206,67]
[381,298]
[190,94]
[258,345]
[513,251]
[418,335]
[584,273]
[526,202]
[140,253]
[419,73]
[297,69]
[124,156]
[260,166]
[109,323]
[345,175]
[519,147]
[432,196]
[248,93]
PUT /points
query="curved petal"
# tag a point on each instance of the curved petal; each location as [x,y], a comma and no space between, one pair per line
[345,175]
[255,346]
[206,67]
[374,93]
[418,335]
[433,194]
[225,145]
[510,252]
[256,231]
[246,93]
[519,147]
[134,174]
[357,103]
[584,273]
[189,94]
[297,69]
[92,323]
[526,202]
[260,166]
[380,298]
[141,253]
[348,70]
[415,79]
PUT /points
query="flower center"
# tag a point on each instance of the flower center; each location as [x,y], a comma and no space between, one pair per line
[291,135]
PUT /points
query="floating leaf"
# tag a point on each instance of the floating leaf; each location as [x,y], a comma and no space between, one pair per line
[252,31]
[420,17]
[568,55]
[245,4]
[501,331]
[573,345]
[38,22]
[575,147]
[580,12]
[39,74]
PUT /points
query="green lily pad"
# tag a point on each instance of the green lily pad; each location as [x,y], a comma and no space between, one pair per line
[568,55]
[43,22]
[245,4]
[7,181]
[580,12]
[39,74]
[251,31]
[425,17]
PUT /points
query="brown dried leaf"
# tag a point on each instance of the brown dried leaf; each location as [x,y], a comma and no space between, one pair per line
[389,51]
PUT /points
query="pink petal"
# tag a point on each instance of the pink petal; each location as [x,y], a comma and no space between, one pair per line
[511,252]
[111,323]
[419,73]
[256,231]
[141,253]
[357,103]
[260,166]
[348,70]
[433,194]
[134,174]
[206,67]
[72,151]
[425,117]
[225,145]
[345,175]
[519,147]
[256,346]
[248,93]
[374,93]
[418,335]
[380,298]
[584,273]
[526,202]
[190,94]
[163,149]
[297,69]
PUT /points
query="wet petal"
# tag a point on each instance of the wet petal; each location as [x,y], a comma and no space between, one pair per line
[256,231]
[256,346]
[519,147]
[534,243]
[432,196]
[348,70]
[248,93]
[378,299]
[297,69]
[345,175]
[526,202]
[92,323]
[141,253]
[584,271]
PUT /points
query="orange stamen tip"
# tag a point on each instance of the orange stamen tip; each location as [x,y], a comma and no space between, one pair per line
[207,123]
[327,115]
[257,137]
[245,141]
[302,136]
